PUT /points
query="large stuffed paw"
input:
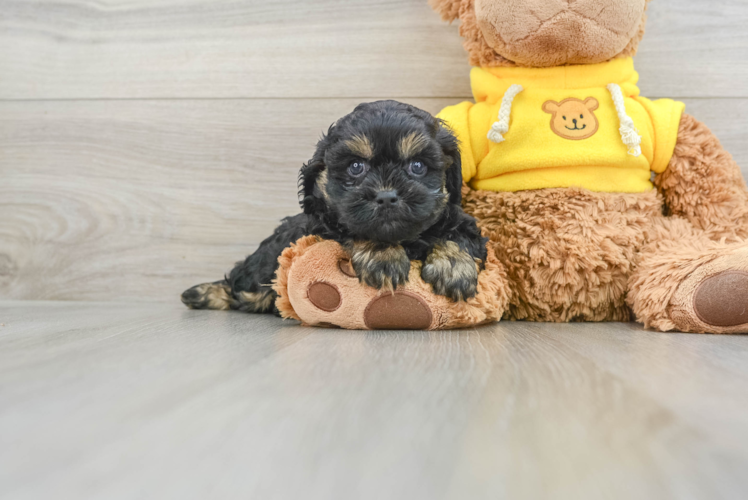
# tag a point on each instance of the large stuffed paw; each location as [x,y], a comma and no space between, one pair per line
[317,285]
[714,297]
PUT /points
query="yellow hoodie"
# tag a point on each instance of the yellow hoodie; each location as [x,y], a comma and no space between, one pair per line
[569,126]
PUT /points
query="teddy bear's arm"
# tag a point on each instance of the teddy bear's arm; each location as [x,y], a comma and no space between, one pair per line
[703,183]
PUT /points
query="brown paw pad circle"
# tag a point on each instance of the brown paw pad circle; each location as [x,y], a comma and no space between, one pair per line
[346,268]
[722,300]
[398,311]
[324,296]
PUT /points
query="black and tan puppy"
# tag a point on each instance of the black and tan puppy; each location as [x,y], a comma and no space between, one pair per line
[385,182]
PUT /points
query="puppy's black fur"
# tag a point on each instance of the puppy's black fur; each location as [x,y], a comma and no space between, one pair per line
[385,182]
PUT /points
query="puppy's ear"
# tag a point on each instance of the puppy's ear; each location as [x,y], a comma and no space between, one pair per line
[310,201]
[448,9]
[451,148]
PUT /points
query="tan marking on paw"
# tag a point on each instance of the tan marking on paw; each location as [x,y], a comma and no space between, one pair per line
[451,271]
[382,267]
[258,301]
[213,296]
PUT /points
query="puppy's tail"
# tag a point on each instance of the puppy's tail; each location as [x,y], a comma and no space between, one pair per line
[216,295]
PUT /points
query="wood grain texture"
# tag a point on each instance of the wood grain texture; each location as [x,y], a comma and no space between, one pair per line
[228,48]
[125,401]
[695,49]
[68,49]
[138,200]
[115,200]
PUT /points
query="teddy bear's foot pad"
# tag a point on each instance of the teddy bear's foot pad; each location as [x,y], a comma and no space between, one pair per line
[722,300]
[398,311]
[714,297]
[324,296]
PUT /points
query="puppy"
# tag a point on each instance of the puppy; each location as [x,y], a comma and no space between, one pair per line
[385,182]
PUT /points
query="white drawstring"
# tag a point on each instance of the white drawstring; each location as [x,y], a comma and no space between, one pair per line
[501,127]
[629,133]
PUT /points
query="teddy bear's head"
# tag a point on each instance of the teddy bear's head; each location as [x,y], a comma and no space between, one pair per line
[545,33]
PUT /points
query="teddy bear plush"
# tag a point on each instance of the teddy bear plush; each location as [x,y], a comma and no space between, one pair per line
[597,201]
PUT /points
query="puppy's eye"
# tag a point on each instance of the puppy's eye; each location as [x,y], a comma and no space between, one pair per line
[564,118]
[357,169]
[416,169]
[581,116]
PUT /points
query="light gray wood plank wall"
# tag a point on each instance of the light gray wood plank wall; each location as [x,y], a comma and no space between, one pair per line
[324,48]
[146,146]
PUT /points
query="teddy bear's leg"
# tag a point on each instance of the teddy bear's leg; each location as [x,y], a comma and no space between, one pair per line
[568,253]
[704,185]
[687,282]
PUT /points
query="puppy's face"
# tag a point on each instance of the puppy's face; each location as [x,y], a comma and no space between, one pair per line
[386,172]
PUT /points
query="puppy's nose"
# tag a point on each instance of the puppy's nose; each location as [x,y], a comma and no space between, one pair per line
[575,121]
[386,198]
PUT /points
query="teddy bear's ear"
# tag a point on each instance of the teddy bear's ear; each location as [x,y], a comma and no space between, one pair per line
[551,107]
[448,9]
[591,103]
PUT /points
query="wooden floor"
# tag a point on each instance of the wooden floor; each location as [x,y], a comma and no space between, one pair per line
[125,401]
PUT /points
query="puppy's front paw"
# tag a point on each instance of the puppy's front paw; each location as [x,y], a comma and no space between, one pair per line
[451,272]
[381,267]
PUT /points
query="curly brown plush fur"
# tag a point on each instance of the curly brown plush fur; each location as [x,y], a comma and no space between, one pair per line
[568,252]
[704,185]
[677,256]
[675,249]
[707,201]
[575,255]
